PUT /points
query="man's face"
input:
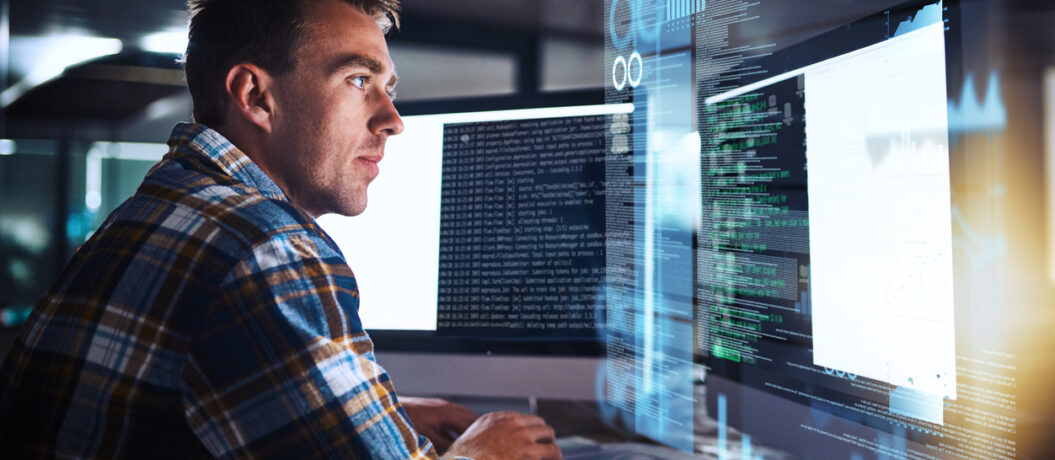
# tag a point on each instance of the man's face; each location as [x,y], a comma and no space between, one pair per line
[333,111]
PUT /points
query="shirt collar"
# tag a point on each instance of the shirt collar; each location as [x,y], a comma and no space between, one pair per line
[198,139]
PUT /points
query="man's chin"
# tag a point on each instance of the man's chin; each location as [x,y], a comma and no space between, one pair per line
[343,204]
[351,209]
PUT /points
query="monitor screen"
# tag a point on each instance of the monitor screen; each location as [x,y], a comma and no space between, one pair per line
[844,164]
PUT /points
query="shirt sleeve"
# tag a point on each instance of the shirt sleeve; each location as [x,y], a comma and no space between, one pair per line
[282,367]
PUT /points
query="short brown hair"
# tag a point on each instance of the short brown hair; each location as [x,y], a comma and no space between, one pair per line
[224,33]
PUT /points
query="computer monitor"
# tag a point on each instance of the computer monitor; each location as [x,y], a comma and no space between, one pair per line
[833,333]
[480,256]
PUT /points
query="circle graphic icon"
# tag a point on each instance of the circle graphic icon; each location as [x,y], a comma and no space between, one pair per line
[617,73]
[640,69]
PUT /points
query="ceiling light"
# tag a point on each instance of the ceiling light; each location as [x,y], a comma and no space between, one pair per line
[172,41]
[8,147]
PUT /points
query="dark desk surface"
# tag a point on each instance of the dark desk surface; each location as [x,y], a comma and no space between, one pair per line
[581,419]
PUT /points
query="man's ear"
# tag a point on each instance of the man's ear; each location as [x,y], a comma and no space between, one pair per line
[251,92]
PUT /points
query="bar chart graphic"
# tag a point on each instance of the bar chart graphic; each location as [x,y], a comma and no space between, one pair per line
[677,9]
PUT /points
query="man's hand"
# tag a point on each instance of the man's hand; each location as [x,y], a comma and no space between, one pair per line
[507,435]
[440,421]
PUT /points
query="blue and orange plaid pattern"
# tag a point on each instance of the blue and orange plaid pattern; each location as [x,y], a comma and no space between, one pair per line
[208,317]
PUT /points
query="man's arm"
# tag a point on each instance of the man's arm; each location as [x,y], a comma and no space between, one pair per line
[282,367]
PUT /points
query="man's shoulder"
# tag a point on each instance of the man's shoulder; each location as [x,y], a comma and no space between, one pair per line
[182,195]
[185,231]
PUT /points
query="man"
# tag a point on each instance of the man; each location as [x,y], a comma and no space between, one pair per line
[210,315]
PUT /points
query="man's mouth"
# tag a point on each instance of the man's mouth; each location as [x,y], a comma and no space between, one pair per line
[371,162]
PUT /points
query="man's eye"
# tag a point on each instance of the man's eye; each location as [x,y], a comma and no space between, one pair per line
[359,82]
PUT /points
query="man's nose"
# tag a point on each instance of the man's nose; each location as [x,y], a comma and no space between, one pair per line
[386,119]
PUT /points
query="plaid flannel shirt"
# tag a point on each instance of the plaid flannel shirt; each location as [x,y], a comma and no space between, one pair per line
[209,316]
